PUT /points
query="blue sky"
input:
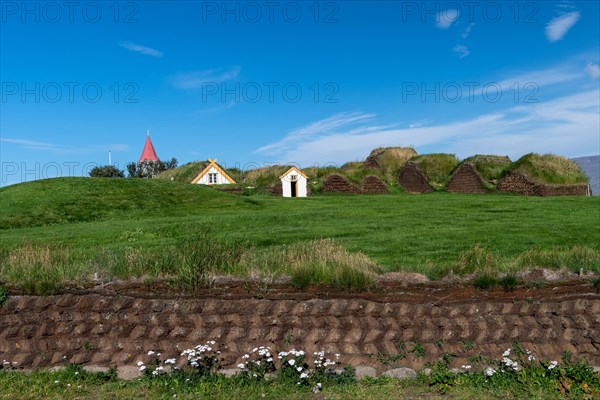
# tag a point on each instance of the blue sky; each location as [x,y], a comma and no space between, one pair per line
[294,82]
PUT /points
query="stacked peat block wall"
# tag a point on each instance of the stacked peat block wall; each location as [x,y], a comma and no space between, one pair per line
[519,183]
[564,190]
[372,163]
[103,330]
[466,180]
[336,183]
[412,179]
[373,185]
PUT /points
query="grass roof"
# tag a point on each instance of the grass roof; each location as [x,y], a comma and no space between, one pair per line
[549,169]
[391,160]
[489,167]
[437,167]
[184,174]
[187,172]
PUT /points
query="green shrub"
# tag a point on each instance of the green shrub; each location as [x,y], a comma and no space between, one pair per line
[508,282]
[485,281]
[3,296]
[107,171]
[596,284]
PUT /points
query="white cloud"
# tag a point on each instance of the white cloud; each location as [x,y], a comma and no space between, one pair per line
[592,70]
[141,49]
[195,79]
[324,127]
[446,18]
[461,50]
[420,123]
[62,149]
[567,125]
[467,31]
[546,77]
[559,26]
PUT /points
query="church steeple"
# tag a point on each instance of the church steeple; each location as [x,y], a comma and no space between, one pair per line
[148,154]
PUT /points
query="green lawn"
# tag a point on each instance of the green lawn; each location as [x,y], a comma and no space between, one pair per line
[65,385]
[86,219]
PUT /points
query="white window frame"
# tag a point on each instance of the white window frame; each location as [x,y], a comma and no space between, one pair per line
[212,177]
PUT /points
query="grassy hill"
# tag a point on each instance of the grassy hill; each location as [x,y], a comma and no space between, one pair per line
[549,169]
[66,230]
[67,200]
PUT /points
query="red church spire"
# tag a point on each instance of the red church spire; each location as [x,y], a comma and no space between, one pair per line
[148,154]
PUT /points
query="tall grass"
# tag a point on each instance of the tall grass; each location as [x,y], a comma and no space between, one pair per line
[190,263]
[36,268]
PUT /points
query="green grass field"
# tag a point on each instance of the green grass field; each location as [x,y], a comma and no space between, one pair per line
[66,229]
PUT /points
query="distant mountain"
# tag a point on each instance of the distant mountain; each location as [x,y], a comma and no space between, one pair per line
[591,166]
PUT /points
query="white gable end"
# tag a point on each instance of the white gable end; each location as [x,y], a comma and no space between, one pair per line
[213,177]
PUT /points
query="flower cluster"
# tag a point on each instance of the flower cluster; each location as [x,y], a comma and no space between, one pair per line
[522,360]
[202,359]
[322,362]
[7,365]
[293,366]
[258,363]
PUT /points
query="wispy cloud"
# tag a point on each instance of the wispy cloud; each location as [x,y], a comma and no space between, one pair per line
[421,123]
[63,149]
[348,122]
[446,18]
[566,125]
[467,30]
[141,49]
[592,70]
[461,50]
[559,26]
[546,77]
[195,79]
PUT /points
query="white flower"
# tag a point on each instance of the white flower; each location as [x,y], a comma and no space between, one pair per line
[506,353]
[245,356]
[319,385]
[241,366]
[303,375]
[489,371]
[150,353]
[292,362]
[465,366]
[140,363]
[142,368]
[552,365]
[531,357]
[56,382]
[298,369]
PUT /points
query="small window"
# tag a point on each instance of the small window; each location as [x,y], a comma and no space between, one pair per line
[293,178]
[212,177]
